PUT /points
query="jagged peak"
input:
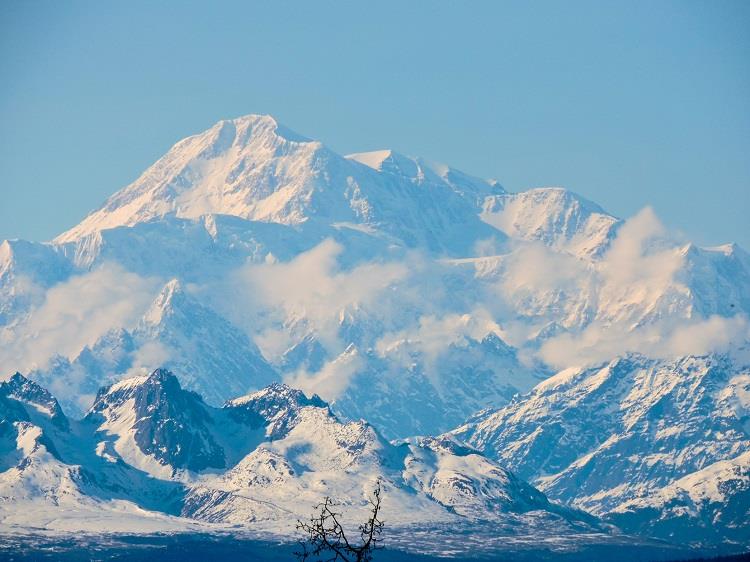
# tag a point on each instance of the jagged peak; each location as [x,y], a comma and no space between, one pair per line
[157,377]
[277,407]
[35,259]
[373,159]
[192,178]
[729,249]
[6,250]
[241,131]
[423,171]
[171,290]
[563,196]
[171,295]
[17,379]
[25,390]
[269,121]
[162,375]
[280,394]
[390,161]
[19,385]
[446,443]
[166,422]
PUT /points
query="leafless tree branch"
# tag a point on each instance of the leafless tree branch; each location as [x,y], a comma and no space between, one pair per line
[325,538]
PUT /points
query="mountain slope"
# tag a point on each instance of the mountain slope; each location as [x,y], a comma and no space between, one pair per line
[225,206]
[256,169]
[50,469]
[555,217]
[607,437]
[217,359]
[472,375]
[711,505]
[26,270]
[264,459]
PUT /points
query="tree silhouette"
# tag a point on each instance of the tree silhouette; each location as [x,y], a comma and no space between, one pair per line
[326,541]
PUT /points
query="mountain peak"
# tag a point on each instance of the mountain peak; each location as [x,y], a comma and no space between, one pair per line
[171,295]
[162,376]
[17,379]
[256,169]
[279,393]
[171,291]
[277,407]
[392,162]
[166,422]
[236,167]
[256,123]
[373,159]
[247,129]
[25,390]
[158,377]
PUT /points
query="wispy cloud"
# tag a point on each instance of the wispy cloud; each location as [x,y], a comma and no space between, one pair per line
[642,305]
[332,379]
[312,288]
[76,313]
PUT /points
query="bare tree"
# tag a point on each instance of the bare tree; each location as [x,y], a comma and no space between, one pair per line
[326,541]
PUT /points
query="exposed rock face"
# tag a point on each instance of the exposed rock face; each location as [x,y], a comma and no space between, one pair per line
[171,424]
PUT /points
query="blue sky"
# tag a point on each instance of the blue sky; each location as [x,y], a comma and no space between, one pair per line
[628,103]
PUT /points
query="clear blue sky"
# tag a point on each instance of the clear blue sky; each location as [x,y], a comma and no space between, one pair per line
[628,103]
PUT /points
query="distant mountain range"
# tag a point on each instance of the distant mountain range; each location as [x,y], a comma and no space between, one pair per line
[264,458]
[604,361]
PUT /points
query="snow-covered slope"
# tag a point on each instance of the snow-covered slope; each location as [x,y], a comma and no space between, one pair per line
[403,393]
[150,421]
[711,505]
[555,217]
[26,270]
[52,474]
[250,192]
[197,338]
[254,168]
[263,459]
[281,451]
[620,437]
[176,331]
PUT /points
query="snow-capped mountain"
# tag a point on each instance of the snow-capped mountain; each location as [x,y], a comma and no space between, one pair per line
[403,292]
[27,269]
[707,506]
[553,216]
[639,439]
[256,169]
[259,460]
[52,468]
[177,332]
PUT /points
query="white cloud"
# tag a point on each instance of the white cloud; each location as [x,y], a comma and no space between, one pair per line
[67,387]
[269,298]
[537,267]
[76,313]
[640,267]
[667,339]
[632,300]
[716,334]
[150,356]
[432,335]
[332,379]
